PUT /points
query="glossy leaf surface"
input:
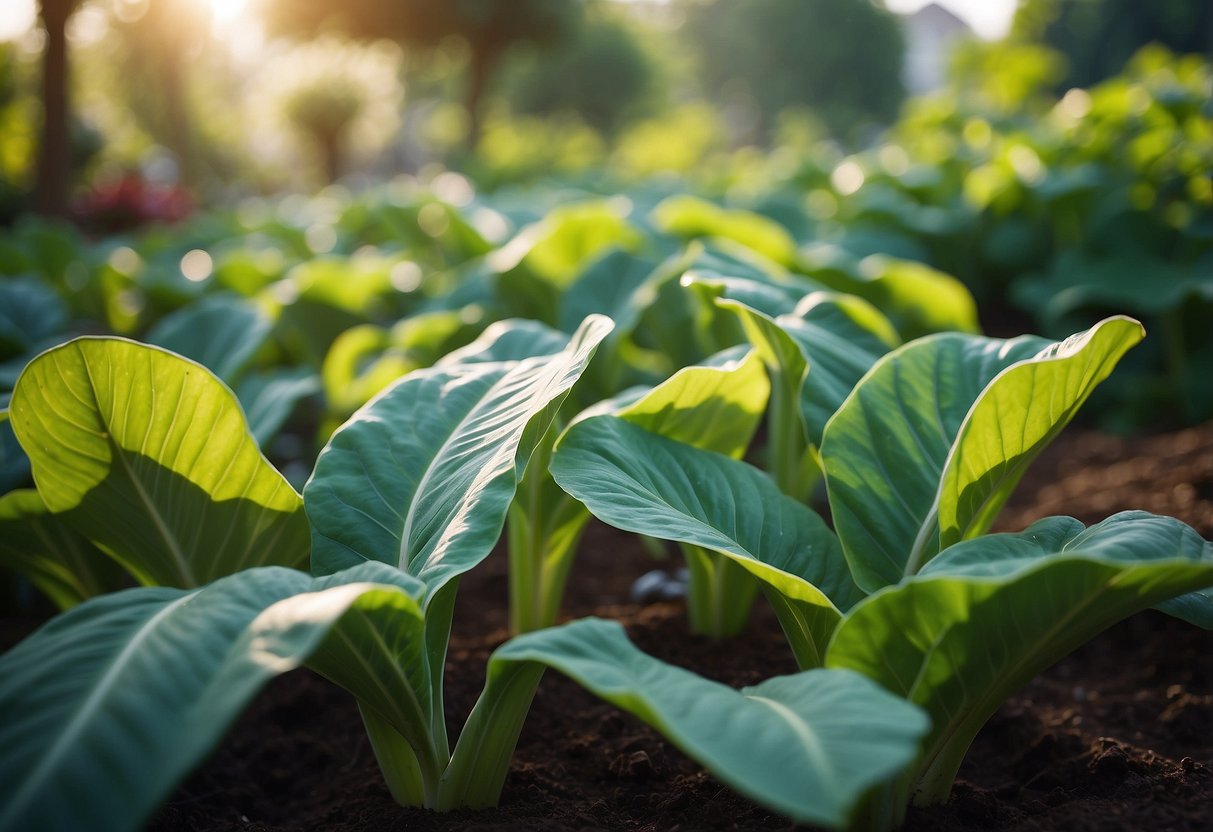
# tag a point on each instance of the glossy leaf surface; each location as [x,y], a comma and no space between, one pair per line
[422,476]
[644,483]
[940,431]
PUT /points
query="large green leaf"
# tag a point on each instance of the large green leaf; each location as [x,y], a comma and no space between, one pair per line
[62,564]
[940,431]
[149,456]
[808,746]
[713,406]
[987,615]
[841,336]
[422,477]
[109,705]
[1016,417]
[716,406]
[221,332]
[644,483]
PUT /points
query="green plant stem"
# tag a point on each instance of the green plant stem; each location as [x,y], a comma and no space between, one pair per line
[790,462]
[438,612]
[481,761]
[543,528]
[884,808]
[412,779]
[720,593]
[799,623]
[541,555]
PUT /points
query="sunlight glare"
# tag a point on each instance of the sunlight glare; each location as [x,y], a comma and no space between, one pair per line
[226,11]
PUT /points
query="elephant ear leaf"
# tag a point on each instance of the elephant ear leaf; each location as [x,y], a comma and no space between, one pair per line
[713,406]
[116,700]
[422,477]
[808,746]
[987,615]
[645,483]
[1018,414]
[149,455]
[932,441]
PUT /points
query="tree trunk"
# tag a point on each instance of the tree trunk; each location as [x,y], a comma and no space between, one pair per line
[53,175]
[330,143]
[483,63]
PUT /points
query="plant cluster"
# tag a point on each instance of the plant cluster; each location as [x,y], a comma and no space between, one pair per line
[517,369]
[314,416]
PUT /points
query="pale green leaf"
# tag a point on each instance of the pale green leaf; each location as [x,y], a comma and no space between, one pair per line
[1016,417]
[152,457]
[716,407]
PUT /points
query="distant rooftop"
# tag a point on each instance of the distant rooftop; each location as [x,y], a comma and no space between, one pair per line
[932,33]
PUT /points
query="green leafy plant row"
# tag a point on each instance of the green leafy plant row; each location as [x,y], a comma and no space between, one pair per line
[909,621]
[909,589]
[117,699]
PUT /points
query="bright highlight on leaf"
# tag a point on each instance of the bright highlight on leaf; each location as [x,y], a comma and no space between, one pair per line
[932,441]
[148,455]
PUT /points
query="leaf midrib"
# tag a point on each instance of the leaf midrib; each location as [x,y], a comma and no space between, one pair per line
[403,560]
[118,452]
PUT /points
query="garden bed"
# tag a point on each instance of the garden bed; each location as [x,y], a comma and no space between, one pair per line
[1114,737]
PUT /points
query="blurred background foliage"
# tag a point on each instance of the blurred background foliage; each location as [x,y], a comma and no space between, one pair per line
[510,89]
[1061,171]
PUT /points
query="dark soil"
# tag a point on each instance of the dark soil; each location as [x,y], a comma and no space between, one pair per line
[1119,736]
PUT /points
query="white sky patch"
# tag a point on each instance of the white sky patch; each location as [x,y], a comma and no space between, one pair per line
[991,19]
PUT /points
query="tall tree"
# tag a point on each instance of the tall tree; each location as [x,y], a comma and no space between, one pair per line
[488,27]
[840,58]
[602,73]
[1099,36]
[53,174]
